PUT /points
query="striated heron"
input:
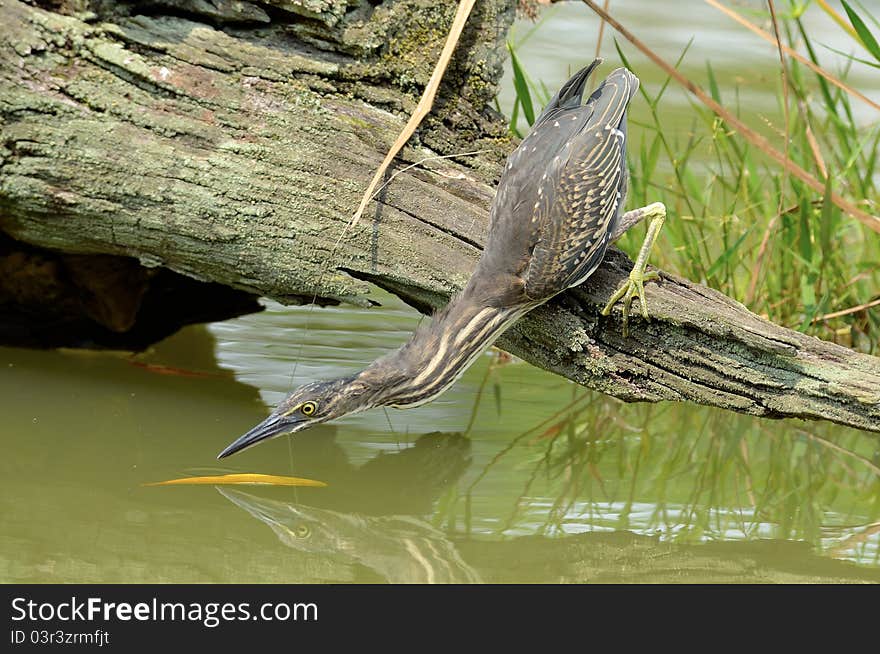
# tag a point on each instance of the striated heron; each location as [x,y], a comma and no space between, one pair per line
[557,208]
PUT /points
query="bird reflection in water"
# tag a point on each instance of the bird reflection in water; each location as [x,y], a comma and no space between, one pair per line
[398,548]
[375,520]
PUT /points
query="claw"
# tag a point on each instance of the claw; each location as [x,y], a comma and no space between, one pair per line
[635,285]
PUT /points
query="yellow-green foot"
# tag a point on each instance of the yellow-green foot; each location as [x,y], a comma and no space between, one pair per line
[635,285]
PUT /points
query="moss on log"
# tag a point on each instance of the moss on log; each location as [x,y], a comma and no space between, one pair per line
[237,154]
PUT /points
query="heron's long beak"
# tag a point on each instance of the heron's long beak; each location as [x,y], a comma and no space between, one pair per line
[270,428]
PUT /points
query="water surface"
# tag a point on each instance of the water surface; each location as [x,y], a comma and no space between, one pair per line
[615,493]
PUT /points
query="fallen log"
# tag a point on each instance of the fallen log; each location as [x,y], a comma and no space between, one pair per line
[236,155]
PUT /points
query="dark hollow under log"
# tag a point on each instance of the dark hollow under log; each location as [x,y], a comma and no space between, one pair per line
[52,299]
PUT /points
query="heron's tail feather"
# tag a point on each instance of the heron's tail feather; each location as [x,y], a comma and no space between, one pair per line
[571,94]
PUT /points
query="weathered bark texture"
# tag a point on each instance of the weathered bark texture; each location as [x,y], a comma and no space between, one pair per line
[237,155]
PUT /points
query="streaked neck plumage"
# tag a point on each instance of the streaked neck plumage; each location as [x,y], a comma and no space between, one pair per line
[438,353]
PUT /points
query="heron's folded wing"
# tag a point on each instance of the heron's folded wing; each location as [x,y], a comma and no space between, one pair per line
[581,211]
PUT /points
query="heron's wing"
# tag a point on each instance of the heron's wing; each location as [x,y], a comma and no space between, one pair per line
[581,212]
[579,201]
[512,231]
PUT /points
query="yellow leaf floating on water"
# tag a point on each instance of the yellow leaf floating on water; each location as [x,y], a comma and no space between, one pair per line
[250,479]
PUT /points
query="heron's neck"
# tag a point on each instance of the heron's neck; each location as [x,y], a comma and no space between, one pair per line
[439,352]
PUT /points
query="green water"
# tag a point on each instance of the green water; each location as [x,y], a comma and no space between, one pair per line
[551,482]
[618,492]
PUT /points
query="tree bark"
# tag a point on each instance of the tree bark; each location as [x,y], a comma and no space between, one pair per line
[236,155]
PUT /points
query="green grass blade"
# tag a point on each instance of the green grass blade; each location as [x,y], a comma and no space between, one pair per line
[826,226]
[713,83]
[867,13]
[862,30]
[805,238]
[721,261]
[850,57]
[514,119]
[521,86]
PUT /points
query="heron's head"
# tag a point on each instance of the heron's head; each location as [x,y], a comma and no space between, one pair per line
[306,406]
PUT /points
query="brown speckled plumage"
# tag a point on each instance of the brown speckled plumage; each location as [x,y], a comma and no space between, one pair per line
[562,189]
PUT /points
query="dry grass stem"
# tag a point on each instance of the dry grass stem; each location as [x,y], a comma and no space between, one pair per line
[758,141]
[846,312]
[424,106]
[792,53]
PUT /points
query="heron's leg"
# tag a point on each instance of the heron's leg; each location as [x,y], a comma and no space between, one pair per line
[632,218]
[635,285]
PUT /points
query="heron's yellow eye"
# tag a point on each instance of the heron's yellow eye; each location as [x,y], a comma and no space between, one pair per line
[308,408]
